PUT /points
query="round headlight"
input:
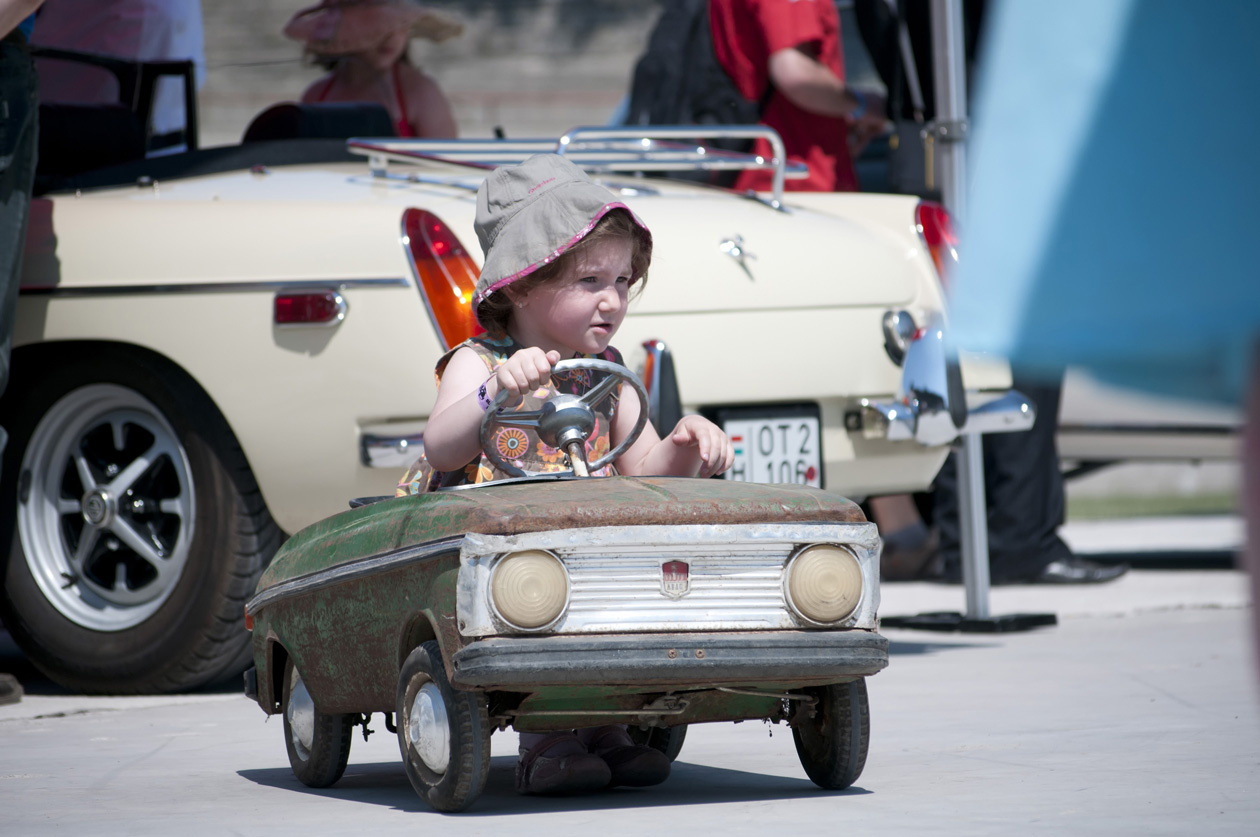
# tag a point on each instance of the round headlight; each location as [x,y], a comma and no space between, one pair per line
[824,583]
[530,589]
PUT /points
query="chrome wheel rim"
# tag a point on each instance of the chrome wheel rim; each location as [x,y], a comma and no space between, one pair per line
[428,730]
[106,519]
[300,713]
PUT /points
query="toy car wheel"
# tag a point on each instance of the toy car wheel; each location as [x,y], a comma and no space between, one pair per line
[668,740]
[133,527]
[832,745]
[318,743]
[444,734]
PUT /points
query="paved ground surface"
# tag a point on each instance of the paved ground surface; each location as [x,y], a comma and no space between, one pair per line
[1137,714]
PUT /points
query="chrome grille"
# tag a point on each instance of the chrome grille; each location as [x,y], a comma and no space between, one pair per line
[730,587]
[616,581]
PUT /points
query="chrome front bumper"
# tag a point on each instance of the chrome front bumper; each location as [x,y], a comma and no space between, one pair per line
[931,407]
[669,660]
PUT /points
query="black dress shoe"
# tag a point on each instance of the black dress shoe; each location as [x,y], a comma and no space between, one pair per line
[1079,571]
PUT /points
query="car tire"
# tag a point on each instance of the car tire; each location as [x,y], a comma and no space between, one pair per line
[136,530]
[832,745]
[318,743]
[444,734]
[668,740]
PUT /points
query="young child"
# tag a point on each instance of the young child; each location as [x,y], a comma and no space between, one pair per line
[561,257]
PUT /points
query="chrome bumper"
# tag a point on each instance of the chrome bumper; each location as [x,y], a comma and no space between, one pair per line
[394,452]
[669,660]
[931,407]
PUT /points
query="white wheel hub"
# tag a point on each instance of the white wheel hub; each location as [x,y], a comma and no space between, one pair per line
[428,728]
[300,714]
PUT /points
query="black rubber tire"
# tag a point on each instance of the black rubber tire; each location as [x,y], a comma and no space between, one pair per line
[197,635]
[832,745]
[464,778]
[322,763]
[668,740]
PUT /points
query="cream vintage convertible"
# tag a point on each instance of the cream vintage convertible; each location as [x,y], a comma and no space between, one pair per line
[218,348]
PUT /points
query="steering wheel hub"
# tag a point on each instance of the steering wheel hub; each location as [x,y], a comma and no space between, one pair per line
[566,418]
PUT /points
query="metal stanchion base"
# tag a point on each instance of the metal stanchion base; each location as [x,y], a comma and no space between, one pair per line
[948,621]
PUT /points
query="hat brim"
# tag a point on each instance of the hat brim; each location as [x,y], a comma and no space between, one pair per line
[350,28]
[538,235]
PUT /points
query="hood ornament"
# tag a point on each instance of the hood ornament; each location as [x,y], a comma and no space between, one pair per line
[734,247]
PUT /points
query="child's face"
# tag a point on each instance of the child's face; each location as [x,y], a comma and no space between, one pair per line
[582,309]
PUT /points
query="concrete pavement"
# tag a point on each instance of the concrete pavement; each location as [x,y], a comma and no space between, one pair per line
[1137,714]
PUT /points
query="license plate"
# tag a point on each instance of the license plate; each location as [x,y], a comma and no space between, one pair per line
[780,449]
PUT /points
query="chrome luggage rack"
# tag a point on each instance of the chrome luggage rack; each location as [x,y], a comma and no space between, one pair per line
[599,150]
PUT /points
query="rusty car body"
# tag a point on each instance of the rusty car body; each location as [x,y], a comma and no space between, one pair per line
[554,602]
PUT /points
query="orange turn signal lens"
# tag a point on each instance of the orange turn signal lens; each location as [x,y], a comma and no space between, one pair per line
[447,275]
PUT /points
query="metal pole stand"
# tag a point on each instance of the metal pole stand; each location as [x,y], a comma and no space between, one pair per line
[974,533]
[950,133]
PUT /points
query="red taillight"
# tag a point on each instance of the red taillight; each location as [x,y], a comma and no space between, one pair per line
[249,621]
[937,229]
[324,307]
[446,273]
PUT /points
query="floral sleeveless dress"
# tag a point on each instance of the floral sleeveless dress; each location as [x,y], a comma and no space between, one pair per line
[518,445]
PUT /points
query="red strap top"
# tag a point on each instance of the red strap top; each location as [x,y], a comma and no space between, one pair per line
[403,126]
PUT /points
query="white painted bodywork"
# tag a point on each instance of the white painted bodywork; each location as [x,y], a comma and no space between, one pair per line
[803,324]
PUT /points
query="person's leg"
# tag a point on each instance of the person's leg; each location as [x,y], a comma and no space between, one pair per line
[556,763]
[632,765]
[909,546]
[18,135]
[1251,496]
[18,144]
[1024,501]
[1025,497]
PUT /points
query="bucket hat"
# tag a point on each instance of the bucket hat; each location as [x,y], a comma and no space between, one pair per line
[346,27]
[530,214]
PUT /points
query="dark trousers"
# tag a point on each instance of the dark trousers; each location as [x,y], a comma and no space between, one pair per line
[1023,496]
[18,129]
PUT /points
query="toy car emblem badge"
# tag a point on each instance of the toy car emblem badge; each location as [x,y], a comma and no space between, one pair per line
[675,579]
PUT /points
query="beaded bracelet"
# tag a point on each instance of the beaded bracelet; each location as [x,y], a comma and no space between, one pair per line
[482,397]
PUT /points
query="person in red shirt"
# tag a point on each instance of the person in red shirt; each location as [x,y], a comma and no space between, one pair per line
[791,48]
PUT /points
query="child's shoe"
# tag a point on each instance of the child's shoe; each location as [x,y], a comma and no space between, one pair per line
[560,764]
[632,765]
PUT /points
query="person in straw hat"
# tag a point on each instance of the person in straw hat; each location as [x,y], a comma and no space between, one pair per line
[363,44]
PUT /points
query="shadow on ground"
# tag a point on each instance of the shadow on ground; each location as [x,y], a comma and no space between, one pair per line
[1208,559]
[36,683]
[689,784]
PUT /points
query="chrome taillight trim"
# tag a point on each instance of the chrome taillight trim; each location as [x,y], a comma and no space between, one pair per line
[377,451]
[899,331]
[405,240]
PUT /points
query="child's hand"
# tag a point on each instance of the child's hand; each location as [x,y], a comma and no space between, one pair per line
[716,453]
[524,372]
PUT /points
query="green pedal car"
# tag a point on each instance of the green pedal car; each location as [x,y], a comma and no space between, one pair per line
[550,602]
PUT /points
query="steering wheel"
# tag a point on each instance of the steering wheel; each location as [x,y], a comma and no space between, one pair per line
[566,421]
